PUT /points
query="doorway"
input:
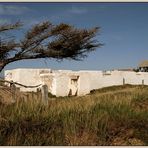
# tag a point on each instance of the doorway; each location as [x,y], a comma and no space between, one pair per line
[73,86]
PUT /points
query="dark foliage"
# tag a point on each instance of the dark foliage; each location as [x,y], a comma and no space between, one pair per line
[45,40]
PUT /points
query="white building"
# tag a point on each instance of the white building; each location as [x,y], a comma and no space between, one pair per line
[67,82]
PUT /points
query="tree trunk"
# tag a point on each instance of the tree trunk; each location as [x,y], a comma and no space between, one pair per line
[2,65]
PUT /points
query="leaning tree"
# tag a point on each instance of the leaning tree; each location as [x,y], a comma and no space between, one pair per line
[45,40]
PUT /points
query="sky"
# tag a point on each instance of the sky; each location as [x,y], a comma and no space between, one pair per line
[124,31]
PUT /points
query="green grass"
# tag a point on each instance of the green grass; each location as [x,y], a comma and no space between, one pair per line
[115,115]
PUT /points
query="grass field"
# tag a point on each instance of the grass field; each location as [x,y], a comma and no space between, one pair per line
[115,115]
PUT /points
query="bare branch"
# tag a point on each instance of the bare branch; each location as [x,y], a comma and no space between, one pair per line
[7,27]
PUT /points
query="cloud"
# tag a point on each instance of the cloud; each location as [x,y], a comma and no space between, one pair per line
[12,9]
[78,10]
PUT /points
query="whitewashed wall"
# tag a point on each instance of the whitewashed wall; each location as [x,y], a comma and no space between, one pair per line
[59,81]
[29,77]
[62,82]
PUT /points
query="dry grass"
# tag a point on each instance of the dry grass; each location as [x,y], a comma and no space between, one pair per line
[110,116]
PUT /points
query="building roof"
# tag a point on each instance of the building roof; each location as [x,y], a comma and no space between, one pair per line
[143,64]
[126,69]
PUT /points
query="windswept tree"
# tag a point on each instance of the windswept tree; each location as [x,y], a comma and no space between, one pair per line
[45,40]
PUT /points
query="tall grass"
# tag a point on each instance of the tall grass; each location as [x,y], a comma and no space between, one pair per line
[110,117]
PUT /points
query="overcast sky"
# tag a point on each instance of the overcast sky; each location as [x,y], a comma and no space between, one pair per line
[124,31]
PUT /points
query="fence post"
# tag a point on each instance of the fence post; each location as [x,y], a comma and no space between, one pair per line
[44,92]
[13,91]
[38,93]
[123,81]
[142,82]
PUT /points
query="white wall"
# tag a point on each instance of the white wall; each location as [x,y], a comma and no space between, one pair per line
[59,81]
[29,77]
[62,82]
[116,78]
[98,79]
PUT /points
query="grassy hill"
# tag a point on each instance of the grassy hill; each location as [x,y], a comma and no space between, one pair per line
[115,115]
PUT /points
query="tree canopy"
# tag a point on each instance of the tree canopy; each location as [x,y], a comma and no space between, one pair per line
[46,40]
